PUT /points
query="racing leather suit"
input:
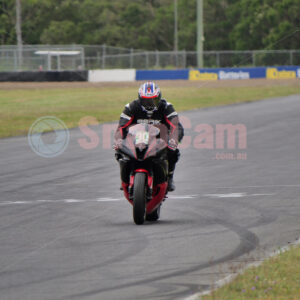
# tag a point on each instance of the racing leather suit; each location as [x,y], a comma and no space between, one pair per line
[165,114]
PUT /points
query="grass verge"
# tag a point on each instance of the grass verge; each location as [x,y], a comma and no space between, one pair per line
[276,278]
[21,107]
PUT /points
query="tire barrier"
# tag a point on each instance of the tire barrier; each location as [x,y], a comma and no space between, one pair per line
[44,76]
[118,75]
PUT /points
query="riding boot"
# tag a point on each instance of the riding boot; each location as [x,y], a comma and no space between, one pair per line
[124,172]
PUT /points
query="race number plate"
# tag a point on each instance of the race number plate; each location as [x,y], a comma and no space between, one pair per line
[142,137]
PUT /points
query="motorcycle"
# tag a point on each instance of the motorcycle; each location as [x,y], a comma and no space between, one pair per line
[144,152]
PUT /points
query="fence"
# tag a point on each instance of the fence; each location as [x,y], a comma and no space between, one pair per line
[78,57]
[55,57]
[188,59]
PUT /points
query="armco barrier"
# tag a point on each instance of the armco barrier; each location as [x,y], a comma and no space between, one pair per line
[283,72]
[227,73]
[41,76]
[162,74]
[112,75]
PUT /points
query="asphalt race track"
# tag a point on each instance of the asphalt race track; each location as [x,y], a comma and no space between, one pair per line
[67,232]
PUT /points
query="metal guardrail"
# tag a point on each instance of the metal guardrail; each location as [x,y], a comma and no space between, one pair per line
[78,57]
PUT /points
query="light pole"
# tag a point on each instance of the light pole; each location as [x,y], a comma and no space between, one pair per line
[176,30]
[19,33]
[200,37]
[176,26]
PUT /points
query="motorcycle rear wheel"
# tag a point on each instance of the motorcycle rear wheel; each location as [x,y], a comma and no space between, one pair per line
[139,198]
[154,216]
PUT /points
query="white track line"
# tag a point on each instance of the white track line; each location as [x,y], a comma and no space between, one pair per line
[255,186]
[68,201]
[230,195]
[182,197]
[108,199]
[237,195]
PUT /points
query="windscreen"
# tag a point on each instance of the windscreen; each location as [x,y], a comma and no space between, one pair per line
[144,141]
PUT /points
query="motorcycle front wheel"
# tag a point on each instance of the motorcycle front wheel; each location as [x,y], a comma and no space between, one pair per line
[139,198]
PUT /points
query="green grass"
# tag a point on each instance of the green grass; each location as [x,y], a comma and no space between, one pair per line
[277,278]
[21,107]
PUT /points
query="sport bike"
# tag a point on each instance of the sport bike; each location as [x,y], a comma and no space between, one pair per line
[144,153]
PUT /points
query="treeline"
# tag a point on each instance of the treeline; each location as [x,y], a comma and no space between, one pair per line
[149,24]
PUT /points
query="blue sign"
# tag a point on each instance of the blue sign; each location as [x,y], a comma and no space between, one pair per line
[162,74]
[283,72]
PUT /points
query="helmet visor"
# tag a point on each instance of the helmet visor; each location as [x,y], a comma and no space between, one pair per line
[150,103]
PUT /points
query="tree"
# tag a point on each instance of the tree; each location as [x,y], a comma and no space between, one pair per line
[149,24]
[7,22]
[270,24]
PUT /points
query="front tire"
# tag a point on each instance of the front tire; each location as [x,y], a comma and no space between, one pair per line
[139,198]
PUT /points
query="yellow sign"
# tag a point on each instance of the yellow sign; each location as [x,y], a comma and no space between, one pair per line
[196,75]
[273,73]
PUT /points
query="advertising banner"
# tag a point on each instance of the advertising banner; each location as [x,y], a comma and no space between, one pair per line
[288,72]
[283,72]
[162,74]
[227,73]
[117,75]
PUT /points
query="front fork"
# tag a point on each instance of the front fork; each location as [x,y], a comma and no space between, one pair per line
[159,168]
[154,198]
[149,183]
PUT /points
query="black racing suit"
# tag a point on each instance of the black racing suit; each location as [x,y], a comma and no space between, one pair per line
[135,113]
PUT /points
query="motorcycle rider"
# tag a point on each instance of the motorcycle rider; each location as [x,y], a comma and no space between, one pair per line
[150,108]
